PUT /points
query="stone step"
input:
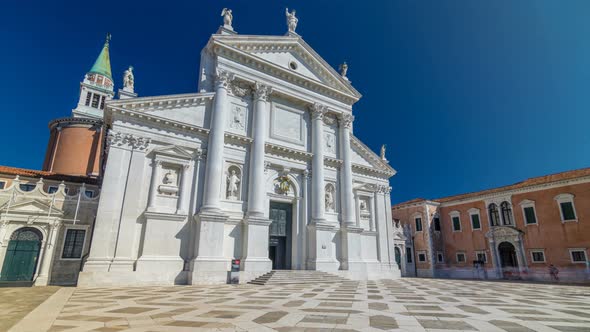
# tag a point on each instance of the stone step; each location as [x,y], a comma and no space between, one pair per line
[289,277]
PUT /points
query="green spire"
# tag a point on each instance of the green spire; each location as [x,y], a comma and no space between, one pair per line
[102,65]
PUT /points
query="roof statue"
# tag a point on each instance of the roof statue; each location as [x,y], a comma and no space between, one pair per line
[227,18]
[383,148]
[291,20]
[102,65]
[343,70]
[128,80]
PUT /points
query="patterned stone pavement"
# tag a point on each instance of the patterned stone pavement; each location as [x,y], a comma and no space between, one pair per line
[16,302]
[402,305]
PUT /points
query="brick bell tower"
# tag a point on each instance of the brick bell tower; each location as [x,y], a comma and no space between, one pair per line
[76,143]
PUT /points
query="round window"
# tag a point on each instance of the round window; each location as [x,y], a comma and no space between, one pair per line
[292,65]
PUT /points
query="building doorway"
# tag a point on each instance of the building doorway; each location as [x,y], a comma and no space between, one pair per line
[508,259]
[22,255]
[279,242]
[398,258]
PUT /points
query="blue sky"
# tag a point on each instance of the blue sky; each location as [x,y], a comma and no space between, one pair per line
[467,95]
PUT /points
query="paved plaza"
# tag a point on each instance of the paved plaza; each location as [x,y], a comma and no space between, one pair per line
[402,305]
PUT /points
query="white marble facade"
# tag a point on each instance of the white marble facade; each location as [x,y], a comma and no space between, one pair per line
[190,178]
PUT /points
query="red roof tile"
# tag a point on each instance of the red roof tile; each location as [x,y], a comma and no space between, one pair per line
[46,175]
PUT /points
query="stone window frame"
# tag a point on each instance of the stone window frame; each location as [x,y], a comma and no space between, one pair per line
[440,257]
[571,250]
[422,252]
[434,219]
[472,212]
[566,198]
[485,255]
[533,251]
[416,216]
[85,228]
[527,203]
[454,214]
[457,257]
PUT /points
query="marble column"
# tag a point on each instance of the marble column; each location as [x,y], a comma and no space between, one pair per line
[256,188]
[255,236]
[214,164]
[318,203]
[347,196]
[372,217]
[210,265]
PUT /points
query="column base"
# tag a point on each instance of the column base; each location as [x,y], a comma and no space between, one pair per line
[122,264]
[153,264]
[97,265]
[208,270]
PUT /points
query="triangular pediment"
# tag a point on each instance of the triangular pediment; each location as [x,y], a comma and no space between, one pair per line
[292,55]
[32,207]
[362,156]
[173,151]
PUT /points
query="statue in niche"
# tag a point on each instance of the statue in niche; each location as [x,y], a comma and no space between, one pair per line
[383,148]
[233,185]
[227,18]
[291,20]
[169,178]
[330,198]
[364,205]
[128,79]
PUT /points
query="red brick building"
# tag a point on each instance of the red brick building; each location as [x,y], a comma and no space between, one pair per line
[515,231]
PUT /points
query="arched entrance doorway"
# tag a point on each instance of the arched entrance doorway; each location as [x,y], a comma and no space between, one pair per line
[22,255]
[398,258]
[508,260]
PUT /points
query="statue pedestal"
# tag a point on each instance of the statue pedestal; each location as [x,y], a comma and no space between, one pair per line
[124,94]
[224,30]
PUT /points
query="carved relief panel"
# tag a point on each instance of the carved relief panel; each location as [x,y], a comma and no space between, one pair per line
[237,119]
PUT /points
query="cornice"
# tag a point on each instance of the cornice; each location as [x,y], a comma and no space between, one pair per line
[385,167]
[164,122]
[511,192]
[154,103]
[74,120]
[285,151]
[238,138]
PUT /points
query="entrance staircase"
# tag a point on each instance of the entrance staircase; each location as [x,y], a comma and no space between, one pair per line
[288,277]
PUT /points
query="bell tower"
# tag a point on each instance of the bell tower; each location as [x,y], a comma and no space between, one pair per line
[76,143]
[97,86]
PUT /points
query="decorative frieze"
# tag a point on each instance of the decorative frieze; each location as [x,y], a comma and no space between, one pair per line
[130,141]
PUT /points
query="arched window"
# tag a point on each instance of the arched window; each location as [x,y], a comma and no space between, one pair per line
[506,213]
[494,215]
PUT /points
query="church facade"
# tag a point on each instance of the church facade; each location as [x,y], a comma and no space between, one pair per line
[261,165]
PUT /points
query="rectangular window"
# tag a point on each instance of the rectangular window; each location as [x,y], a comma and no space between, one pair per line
[27,186]
[475,221]
[456,224]
[578,256]
[418,224]
[460,257]
[538,256]
[439,257]
[437,224]
[88,97]
[481,256]
[409,255]
[422,256]
[95,100]
[567,211]
[73,243]
[529,215]
[89,193]
[102,103]
[52,189]
[2,184]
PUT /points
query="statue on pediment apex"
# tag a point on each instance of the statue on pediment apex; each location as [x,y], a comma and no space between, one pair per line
[291,20]
[227,18]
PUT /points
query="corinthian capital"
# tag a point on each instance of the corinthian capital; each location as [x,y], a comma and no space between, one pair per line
[345,120]
[262,91]
[318,111]
[223,78]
